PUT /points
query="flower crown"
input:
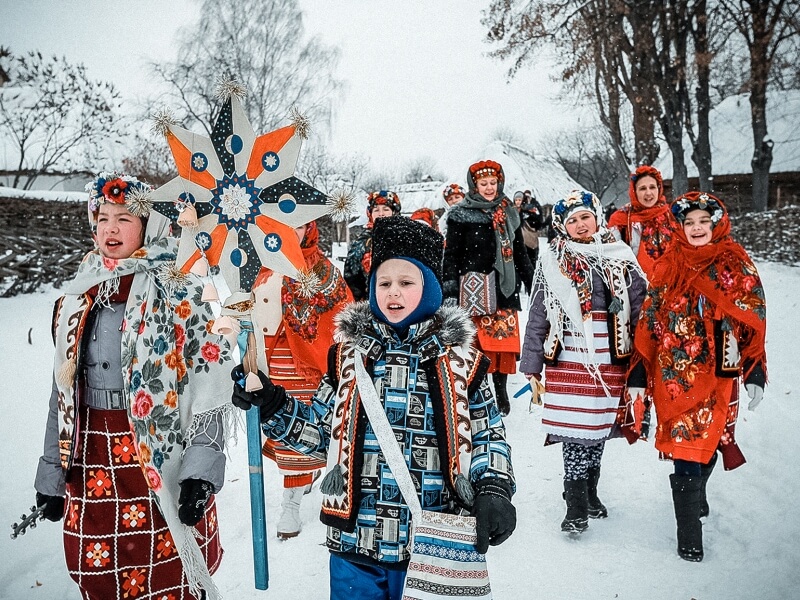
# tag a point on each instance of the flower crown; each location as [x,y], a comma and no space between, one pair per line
[119,188]
[388,198]
[575,200]
[486,168]
[451,189]
[694,201]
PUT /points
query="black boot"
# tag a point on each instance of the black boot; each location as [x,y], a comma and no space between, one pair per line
[577,496]
[596,508]
[686,497]
[503,404]
[705,473]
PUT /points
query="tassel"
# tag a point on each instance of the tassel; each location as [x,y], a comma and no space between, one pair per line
[333,483]
[209,293]
[225,325]
[66,374]
[464,490]
[188,216]
[616,306]
[200,267]
[252,383]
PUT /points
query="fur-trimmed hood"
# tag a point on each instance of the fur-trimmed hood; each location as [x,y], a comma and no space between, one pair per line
[450,324]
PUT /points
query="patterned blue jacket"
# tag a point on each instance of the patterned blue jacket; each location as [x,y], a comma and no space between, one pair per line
[433,386]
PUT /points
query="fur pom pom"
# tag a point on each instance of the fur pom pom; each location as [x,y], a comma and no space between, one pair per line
[227,87]
[341,205]
[162,121]
[302,126]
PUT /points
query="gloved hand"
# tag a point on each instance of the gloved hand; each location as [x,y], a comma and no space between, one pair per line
[53,506]
[537,389]
[756,394]
[193,500]
[496,517]
[270,398]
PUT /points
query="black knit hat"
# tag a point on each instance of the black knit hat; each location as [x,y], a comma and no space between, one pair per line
[400,237]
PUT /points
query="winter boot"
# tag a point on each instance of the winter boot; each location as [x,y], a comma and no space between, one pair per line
[577,496]
[289,523]
[503,404]
[705,473]
[596,508]
[687,496]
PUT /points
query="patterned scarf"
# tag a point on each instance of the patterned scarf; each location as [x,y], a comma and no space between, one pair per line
[687,281]
[505,222]
[163,342]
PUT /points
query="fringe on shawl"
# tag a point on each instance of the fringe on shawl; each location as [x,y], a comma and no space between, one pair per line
[194,566]
[232,422]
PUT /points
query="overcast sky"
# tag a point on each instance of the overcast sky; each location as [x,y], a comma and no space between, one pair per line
[418,81]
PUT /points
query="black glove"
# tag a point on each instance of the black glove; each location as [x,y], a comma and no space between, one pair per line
[495,515]
[53,506]
[193,500]
[270,398]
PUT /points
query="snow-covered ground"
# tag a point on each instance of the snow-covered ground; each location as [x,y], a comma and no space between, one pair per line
[752,537]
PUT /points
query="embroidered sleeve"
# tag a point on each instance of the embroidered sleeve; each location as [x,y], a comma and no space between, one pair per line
[491,453]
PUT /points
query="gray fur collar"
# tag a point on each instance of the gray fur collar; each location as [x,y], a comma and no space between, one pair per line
[463,214]
[450,324]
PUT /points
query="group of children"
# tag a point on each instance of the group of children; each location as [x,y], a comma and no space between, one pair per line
[662,307]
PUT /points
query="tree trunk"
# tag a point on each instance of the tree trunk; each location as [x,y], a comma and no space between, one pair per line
[701,153]
[760,65]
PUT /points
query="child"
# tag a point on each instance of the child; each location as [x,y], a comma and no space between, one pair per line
[357,264]
[703,325]
[413,347]
[585,300]
[297,332]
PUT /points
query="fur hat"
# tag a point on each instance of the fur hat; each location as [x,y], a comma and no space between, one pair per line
[118,188]
[417,243]
[386,197]
[575,201]
[690,201]
[451,189]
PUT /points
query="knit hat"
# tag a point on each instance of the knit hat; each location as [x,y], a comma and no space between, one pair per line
[386,197]
[575,201]
[426,215]
[453,188]
[400,237]
[518,194]
[118,188]
[690,201]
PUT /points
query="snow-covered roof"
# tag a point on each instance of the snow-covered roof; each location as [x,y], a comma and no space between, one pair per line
[732,136]
[53,196]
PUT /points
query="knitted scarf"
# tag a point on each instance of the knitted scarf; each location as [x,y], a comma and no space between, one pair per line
[688,281]
[165,339]
[505,222]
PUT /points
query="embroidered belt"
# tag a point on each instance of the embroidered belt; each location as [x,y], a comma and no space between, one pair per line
[106,399]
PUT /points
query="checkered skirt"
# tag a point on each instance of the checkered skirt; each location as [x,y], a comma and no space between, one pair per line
[117,544]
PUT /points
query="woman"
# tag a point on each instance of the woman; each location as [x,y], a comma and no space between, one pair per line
[297,332]
[586,296]
[357,264]
[703,325]
[134,443]
[644,224]
[484,237]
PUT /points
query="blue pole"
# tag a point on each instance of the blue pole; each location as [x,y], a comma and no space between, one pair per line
[258,511]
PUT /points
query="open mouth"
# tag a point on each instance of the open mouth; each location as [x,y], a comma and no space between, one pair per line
[395,307]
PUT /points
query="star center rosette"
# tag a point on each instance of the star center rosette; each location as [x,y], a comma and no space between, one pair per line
[238,202]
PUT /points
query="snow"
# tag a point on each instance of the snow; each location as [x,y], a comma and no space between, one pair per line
[52,196]
[751,536]
[732,136]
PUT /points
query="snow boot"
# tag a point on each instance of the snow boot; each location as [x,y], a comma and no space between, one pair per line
[503,404]
[577,497]
[289,523]
[686,497]
[596,508]
[705,473]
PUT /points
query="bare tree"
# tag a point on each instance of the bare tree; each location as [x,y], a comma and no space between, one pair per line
[260,44]
[422,169]
[56,118]
[766,26]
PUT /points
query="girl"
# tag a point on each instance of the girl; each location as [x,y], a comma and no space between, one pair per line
[703,325]
[586,296]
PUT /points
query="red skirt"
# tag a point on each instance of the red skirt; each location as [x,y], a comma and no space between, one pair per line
[116,543]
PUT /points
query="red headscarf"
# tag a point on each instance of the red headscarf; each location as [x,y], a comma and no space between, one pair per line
[656,223]
[718,276]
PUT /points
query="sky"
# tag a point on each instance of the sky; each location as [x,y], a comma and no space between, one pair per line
[419,83]
[750,537]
